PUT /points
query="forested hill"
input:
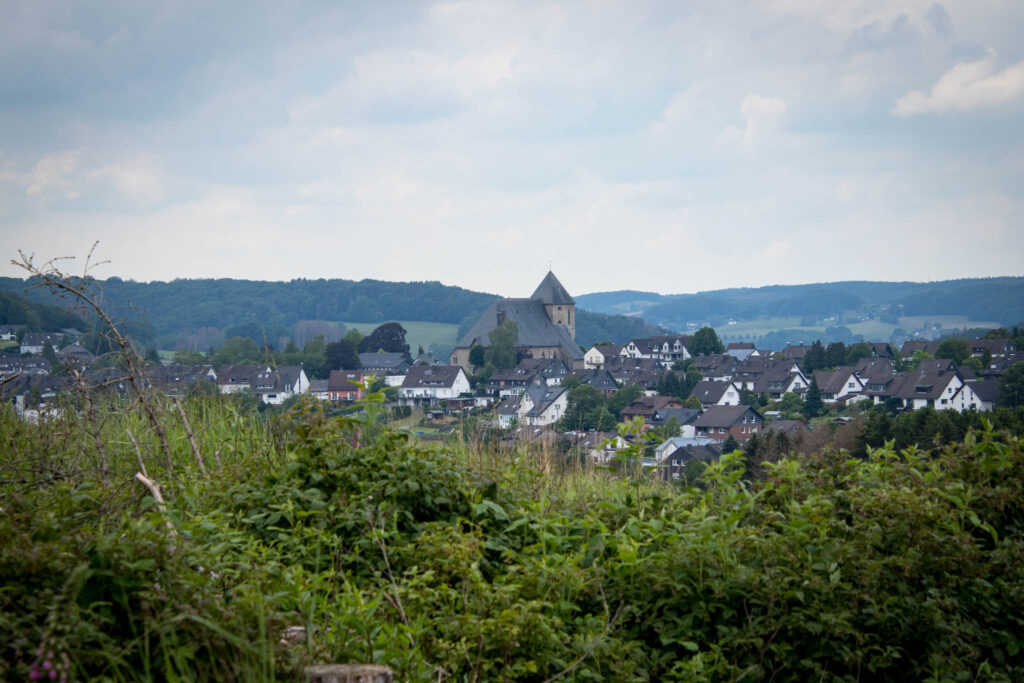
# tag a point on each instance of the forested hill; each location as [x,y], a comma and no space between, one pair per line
[161,312]
[990,299]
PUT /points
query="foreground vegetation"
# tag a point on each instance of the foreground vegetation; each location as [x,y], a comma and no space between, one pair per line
[319,539]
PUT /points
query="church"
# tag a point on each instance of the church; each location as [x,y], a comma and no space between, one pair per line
[546,323]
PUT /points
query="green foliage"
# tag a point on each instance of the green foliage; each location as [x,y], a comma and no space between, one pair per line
[183,357]
[389,337]
[705,341]
[477,356]
[814,359]
[384,549]
[1011,386]
[955,349]
[813,405]
[501,352]
[238,351]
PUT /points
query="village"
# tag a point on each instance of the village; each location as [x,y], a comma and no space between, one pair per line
[519,370]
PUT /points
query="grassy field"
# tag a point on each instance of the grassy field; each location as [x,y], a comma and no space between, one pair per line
[873,330]
[418,333]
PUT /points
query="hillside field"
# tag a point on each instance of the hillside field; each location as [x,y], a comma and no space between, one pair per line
[417,332]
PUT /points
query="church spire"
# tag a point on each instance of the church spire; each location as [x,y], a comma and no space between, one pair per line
[551,292]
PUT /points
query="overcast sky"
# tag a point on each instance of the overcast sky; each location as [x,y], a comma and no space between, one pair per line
[672,146]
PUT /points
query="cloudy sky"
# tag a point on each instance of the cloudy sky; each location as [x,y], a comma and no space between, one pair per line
[666,146]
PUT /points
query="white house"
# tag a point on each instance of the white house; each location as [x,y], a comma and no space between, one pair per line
[597,356]
[431,384]
[276,386]
[542,405]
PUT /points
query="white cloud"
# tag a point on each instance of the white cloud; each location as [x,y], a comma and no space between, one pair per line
[965,87]
[53,172]
[762,116]
[136,178]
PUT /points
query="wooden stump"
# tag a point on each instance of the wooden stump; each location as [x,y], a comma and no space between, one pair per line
[348,673]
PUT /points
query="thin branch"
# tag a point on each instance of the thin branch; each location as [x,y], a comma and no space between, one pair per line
[191,438]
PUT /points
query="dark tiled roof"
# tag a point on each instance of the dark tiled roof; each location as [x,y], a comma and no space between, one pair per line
[710,391]
[987,391]
[551,291]
[542,398]
[532,323]
[724,416]
[384,361]
[431,376]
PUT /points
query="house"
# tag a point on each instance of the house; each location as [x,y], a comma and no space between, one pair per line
[544,405]
[428,385]
[666,349]
[718,422]
[391,366]
[23,365]
[716,366]
[838,385]
[345,385]
[711,393]
[318,389]
[234,378]
[983,396]
[911,347]
[646,407]
[545,323]
[35,342]
[176,380]
[997,348]
[680,453]
[9,332]
[513,382]
[274,387]
[933,384]
[596,356]
[683,417]
[601,380]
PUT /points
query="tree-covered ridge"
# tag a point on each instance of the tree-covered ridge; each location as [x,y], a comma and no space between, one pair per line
[36,317]
[265,311]
[999,299]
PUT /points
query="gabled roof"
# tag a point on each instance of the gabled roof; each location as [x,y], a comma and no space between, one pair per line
[710,391]
[431,376]
[533,325]
[542,398]
[551,292]
[344,380]
[383,361]
[834,381]
[987,391]
[723,416]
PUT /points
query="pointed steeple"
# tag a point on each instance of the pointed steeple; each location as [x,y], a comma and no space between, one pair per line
[551,292]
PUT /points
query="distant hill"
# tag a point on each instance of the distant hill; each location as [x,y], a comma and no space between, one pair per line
[161,313]
[983,299]
[36,317]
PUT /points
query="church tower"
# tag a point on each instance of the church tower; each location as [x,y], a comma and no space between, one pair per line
[560,307]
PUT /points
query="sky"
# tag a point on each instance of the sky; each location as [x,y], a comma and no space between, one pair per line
[661,146]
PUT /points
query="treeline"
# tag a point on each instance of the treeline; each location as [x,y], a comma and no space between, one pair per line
[195,314]
[256,309]
[999,299]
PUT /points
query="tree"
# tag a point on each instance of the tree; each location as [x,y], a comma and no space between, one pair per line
[954,348]
[51,357]
[501,352]
[814,359]
[919,356]
[858,352]
[693,403]
[730,444]
[813,405]
[341,355]
[706,341]
[237,351]
[835,354]
[477,356]
[622,398]
[587,409]
[791,403]
[1011,386]
[389,337]
[183,357]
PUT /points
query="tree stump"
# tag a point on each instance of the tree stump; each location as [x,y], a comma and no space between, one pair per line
[348,673]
